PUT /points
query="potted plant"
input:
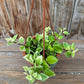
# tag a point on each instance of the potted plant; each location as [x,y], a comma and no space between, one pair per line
[33,53]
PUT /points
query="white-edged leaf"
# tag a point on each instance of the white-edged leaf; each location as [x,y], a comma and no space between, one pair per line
[21,40]
[15,37]
[39,60]
[44,77]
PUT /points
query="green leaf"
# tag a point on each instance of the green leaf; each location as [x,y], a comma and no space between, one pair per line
[56,34]
[50,48]
[28,44]
[66,33]
[58,48]
[51,38]
[30,78]
[45,65]
[29,39]
[49,72]
[73,54]
[60,37]
[22,48]
[31,72]
[31,68]
[39,68]
[47,29]
[36,53]
[29,58]
[21,40]
[38,37]
[73,46]
[39,49]
[39,60]
[51,59]
[25,68]
[60,29]
[28,50]
[9,43]
[39,44]
[76,50]
[56,43]
[46,46]
[35,75]
[15,37]
[66,46]
[68,53]
[34,41]
[39,77]
[64,29]
[8,39]
[44,77]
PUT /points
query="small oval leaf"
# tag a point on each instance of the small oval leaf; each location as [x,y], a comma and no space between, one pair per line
[39,60]
[51,59]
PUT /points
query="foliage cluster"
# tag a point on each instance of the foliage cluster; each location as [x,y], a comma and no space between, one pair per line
[41,69]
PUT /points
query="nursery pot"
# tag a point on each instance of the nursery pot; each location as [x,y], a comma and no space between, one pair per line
[51,65]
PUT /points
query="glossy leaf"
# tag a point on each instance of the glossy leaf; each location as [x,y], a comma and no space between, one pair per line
[38,77]
[9,43]
[30,78]
[50,48]
[35,75]
[66,33]
[15,37]
[39,49]
[73,46]
[8,39]
[22,48]
[38,37]
[21,40]
[44,77]
[47,29]
[31,72]
[73,54]
[39,60]
[25,68]
[51,38]
[60,29]
[38,68]
[66,46]
[34,41]
[56,34]
[45,65]
[60,37]
[51,59]
[29,39]
[58,49]
[49,72]
[29,58]
[68,53]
